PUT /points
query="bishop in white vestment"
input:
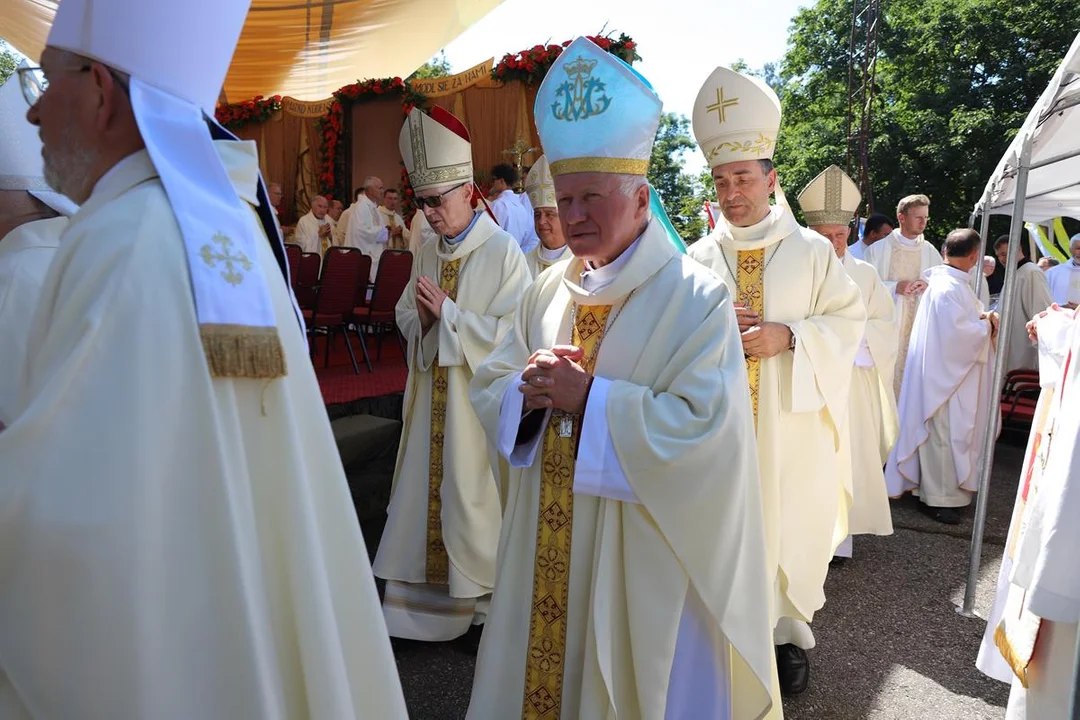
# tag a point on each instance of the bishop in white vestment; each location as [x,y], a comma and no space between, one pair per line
[944,410]
[631,579]
[178,537]
[1064,279]
[1031,296]
[801,318]
[540,189]
[314,229]
[900,260]
[438,549]
[829,203]
[32,218]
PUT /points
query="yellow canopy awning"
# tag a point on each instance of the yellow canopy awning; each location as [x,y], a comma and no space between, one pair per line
[306,49]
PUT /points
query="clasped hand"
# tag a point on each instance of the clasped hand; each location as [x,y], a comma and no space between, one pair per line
[554,379]
[993,317]
[429,301]
[911,287]
[1032,324]
[761,339]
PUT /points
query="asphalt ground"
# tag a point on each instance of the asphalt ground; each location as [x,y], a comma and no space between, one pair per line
[890,643]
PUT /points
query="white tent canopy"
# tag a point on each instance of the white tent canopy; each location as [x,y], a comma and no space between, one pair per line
[1053,125]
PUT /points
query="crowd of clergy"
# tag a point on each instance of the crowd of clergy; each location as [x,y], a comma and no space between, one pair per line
[632,463]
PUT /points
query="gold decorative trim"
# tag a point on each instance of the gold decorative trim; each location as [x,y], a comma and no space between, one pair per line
[437,566]
[758,146]
[750,284]
[828,217]
[620,166]
[243,351]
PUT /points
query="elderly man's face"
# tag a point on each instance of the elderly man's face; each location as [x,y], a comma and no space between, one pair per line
[276,193]
[319,206]
[1074,250]
[454,212]
[548,227]
[375,191]
[67,116]
[837,235]
[1001,252]
[989,264]
[599,219]
[743,189]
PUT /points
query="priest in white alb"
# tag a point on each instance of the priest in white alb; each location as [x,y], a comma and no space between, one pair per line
[900,260]
[437,552]
[829,204]
[631,579]
[540,189]
[368,232]
[178,537]
[801,320]
[315,229]
[945,408]
[1031,295]
[32,218]
[1064,279]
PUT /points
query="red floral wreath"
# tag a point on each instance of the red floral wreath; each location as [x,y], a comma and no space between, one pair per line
[530,66]
[256,110]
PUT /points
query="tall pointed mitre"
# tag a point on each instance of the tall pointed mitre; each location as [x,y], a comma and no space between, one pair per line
[177,55]
[20,151]
[595,113]
[830,199]
[540,186]
[736,117]
[436,149]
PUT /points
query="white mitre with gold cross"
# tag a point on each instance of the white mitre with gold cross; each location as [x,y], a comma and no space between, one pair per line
[736,117]
[436,149]
[540,186]
[830,199]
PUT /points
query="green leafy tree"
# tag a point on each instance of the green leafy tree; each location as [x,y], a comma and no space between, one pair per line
[681,192]
[436,67]
[955,80]
[8,62]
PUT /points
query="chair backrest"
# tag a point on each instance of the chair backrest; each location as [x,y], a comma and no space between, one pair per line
[308,273]
[292,256]
[391,279]
[365,280]
[337,286]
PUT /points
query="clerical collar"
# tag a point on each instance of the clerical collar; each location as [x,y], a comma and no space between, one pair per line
[907,241]
[550,255]
[462,235]
[756,231]
[596,279]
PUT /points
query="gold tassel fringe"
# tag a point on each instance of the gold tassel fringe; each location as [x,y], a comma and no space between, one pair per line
[1019,667]
[242,351]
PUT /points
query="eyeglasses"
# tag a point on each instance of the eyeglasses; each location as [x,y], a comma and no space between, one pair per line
[435,201]
[33,82]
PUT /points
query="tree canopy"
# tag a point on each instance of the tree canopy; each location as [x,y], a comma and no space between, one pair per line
[681,192]
[436,67]
[955,80]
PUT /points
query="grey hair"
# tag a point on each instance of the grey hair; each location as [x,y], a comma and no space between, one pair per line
[628,185]
[370,181]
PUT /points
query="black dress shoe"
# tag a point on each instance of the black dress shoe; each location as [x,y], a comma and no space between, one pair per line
[945,516]
[793,667]
[837,561]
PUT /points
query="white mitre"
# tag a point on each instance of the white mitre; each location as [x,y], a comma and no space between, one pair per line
[540,186]
[595,113]
[830,199]
[436,149]
[20,150]
[177,55]
[736,117]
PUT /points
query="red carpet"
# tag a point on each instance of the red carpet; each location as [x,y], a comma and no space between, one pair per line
[340,384]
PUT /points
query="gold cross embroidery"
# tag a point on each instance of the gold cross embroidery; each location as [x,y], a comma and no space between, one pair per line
[721,105]
[226,258]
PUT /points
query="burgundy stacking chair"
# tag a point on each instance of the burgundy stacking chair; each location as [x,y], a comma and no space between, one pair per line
[391,279]
[334,299]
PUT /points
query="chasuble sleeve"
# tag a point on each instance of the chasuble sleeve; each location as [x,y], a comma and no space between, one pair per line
[828,338]
[421,346]
[881,331]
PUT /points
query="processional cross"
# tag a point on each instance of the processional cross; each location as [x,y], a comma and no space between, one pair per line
[519,150]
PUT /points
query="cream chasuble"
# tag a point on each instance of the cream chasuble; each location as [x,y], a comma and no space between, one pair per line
[442,532]
[25,255]
[175,545]
[897,258]
[631,579]
[306,234]
[944,410]
[540,258]
[341,229]
[872,423]
[802,397]
[1032,297]
[1064,281]
[367,231]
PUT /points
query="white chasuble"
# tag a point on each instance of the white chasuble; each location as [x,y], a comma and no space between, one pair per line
[944,409]
[897,258]
[25,255]
[1032,296]
[541,258]
[872,424]
[443,522]
[307,230]
[802,395]
[367,231]
[1064,281]
[175,545]
[660,606]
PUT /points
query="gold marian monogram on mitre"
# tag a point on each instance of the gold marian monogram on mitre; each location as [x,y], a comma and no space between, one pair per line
[546,657]
[583,96]
[231,262]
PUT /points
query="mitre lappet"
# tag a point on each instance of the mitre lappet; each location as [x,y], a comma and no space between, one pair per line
[832,198]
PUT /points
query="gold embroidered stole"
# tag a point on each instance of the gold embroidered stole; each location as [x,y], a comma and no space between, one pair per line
[437,568]
[546,657]
[750,285]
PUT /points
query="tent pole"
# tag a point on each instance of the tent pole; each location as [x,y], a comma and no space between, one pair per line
[1075,710]
[984,231]
[986,460]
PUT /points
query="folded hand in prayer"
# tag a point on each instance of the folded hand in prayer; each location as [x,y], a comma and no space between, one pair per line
[554,379]
[429,300]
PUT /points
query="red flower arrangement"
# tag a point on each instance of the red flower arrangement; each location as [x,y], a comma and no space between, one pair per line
[530,66]
[256,110]
[332,165]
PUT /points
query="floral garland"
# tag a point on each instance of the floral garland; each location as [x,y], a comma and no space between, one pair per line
[257,110]
[332,165]
[530,66]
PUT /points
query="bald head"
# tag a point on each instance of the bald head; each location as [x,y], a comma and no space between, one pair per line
[85,121]
[373,188]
